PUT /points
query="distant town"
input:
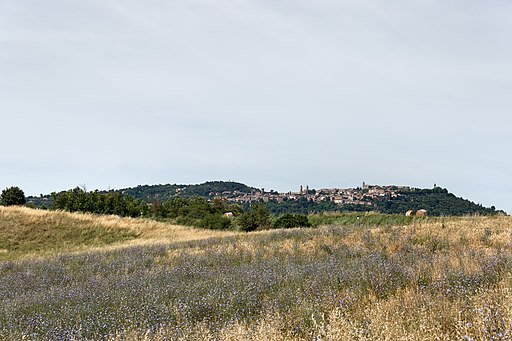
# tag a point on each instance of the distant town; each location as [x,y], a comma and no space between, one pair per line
[364,195]
[390,199]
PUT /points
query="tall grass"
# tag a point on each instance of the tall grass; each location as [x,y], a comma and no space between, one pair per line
[362,219]
[25,232]
[429,280]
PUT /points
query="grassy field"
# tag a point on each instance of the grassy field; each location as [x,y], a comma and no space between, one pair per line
[81,277]
[27,232]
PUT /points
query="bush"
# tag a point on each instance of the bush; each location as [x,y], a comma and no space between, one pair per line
[12,196]
[186,221]
[247,222]
[290,220]
[257,218]
[215,222]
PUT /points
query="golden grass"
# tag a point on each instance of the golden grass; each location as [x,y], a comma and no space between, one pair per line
[435,248]
[36,232]
[405,316]
[408,314]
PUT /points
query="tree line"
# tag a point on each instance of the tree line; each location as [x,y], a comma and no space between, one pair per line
[220,214]
[197,211]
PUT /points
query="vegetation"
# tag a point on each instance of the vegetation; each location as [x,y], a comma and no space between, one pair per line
[24,231]
[363,219]
[209,190]
[290,220]
[28,232]
[429,279]
[258,217]
[12,196]
[302,206]
[219,214]
[197,211]
[437,201]
[78,200]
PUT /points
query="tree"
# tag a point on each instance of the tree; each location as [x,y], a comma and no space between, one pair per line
[257,218]
[290,220]
[262,215]
[12,196]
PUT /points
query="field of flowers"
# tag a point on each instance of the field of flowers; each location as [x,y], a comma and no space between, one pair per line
[433,279]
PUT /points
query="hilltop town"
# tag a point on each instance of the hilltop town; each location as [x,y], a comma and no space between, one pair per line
[389,199]
[364,195]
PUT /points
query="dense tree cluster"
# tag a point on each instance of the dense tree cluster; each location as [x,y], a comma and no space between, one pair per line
[198,211]
[256,217]
[208,190]
[437,201]
[301,206]
[78,200]
[12,196]
[309,206]
[290,220]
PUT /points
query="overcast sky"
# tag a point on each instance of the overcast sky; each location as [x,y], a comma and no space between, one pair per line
[271,93]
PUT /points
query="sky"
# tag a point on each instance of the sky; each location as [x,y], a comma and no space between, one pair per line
[271,93]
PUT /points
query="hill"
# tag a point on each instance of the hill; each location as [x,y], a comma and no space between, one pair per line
[25,231]
[434,279]
[384,199]
[148,193]
[209,190]
[389,200]
[437,201]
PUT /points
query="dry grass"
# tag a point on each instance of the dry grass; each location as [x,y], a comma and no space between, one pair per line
[433,279]
[26,232]
[406,316]
[446,307]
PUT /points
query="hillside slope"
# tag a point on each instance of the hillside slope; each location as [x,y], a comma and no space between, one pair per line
[25,231]
[437,201]
[209,190]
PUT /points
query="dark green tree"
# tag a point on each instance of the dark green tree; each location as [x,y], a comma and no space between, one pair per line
[257,218]
[77,200]
[262,215]
[290,220]
[215,222]
[12,196]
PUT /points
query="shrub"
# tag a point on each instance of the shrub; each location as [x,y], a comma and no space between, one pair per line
[290,220]
[186,221]
[215,222]
[12,196]
[257,218]
[247,222]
